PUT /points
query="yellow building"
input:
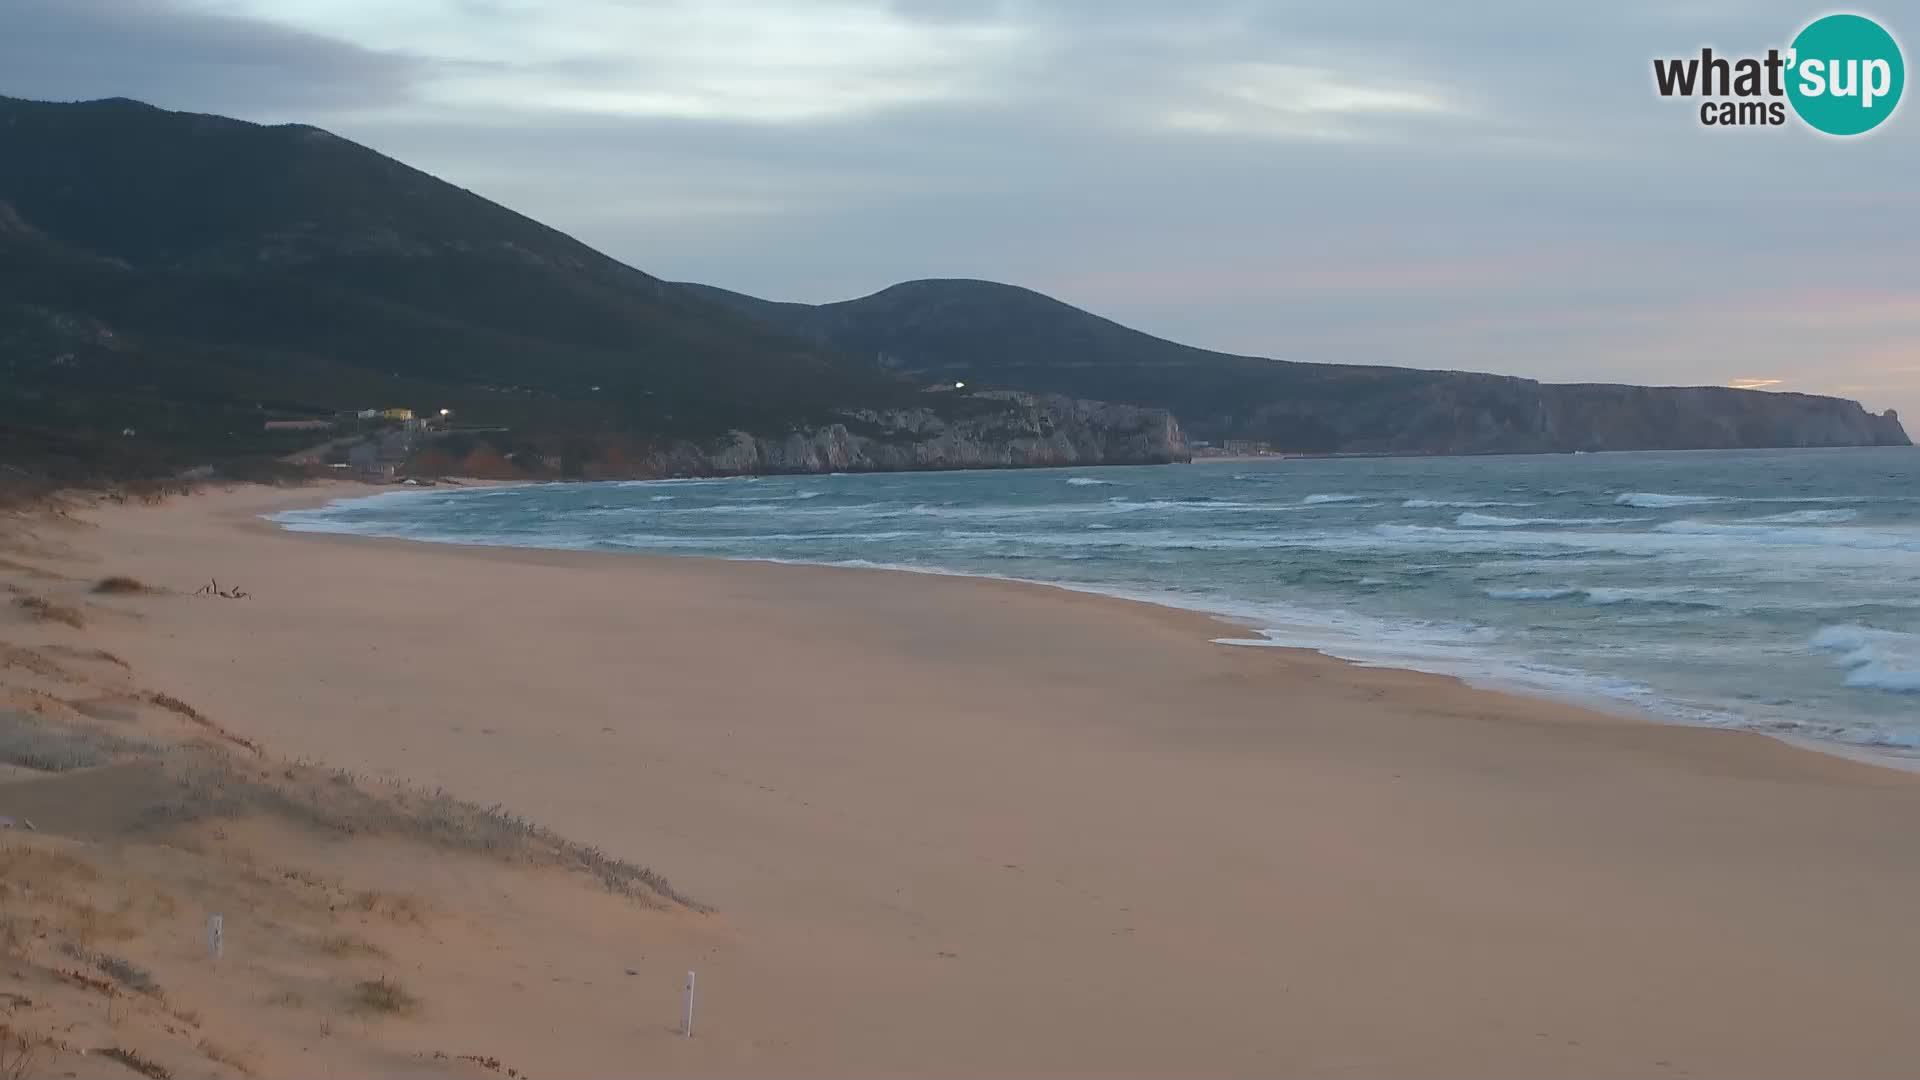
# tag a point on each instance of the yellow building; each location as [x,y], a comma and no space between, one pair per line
[397,414]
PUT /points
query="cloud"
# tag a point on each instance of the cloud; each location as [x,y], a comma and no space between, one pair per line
[154,50]
[1378,181]
[1294,101]
[1754,384]
[762,61]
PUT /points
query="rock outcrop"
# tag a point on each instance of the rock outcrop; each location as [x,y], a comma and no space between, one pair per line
[995,430]
[989,334]
[1462,413]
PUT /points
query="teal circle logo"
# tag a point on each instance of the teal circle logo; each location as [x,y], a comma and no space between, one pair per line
[1845,74]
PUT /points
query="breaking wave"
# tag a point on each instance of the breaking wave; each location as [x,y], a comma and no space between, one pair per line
[1875,659]
[1494,521]
[1652,500]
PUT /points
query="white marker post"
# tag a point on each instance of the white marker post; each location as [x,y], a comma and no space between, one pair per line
[687,1027]
[216,935]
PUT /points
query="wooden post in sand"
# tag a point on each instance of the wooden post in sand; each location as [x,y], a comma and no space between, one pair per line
[687,1026]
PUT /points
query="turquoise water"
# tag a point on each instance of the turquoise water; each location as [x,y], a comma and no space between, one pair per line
[1777,590]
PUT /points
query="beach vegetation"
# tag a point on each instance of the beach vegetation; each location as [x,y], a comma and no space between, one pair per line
[146,1067]
[224,1055]
[19,1053]
[209,784]
[125,972]
[384,996]
[42,609]
[32,742]
[341,946]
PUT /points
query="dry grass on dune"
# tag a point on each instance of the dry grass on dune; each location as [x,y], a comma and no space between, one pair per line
[385,996]
[211,785]
[19,1053]
[45,745]
[125,973]
[127,814]
[121,585]
[132,1060]
[95,935]
[212,782]
[206,783]
[42,609]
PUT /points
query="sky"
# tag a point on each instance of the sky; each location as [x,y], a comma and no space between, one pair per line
[1490,186]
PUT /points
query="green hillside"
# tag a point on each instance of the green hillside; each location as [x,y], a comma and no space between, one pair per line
[189,277]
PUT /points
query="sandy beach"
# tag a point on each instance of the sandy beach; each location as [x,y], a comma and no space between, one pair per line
[950,826]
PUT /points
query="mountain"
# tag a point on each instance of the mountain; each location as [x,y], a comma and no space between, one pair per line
[187,278]
[1000,335]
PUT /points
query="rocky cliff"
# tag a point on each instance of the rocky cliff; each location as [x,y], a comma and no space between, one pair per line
[1003,430]
[1606,417]
[990,334]
[188,280]
[1404,412]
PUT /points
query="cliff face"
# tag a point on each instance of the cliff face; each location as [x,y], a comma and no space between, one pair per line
[998,335]
[1010,430]
[1460,413]
[1600,417]
[192,279]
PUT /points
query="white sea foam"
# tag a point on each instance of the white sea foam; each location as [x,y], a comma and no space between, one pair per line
[1653,500]
[1088,481]
[1532,594]
[1461,504]
[1812,517]
[768,506]
[1876,659]
[1494,521]
[1191,506]
[1607,597]
[1649,500]
[1116,505]
[1331,497]
[1681,596]
[1799,536]
[687,481]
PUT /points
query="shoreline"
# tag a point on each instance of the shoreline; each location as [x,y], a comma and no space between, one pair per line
[1883,757]
[961,826]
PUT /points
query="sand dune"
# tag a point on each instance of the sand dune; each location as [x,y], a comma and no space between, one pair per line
[954,827]
[368,929]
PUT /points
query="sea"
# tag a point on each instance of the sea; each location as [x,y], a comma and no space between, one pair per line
[1777,591]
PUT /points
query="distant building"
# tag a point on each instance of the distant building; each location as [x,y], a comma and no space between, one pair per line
[367,414]
[367,460]
[299,425]
[397,414]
